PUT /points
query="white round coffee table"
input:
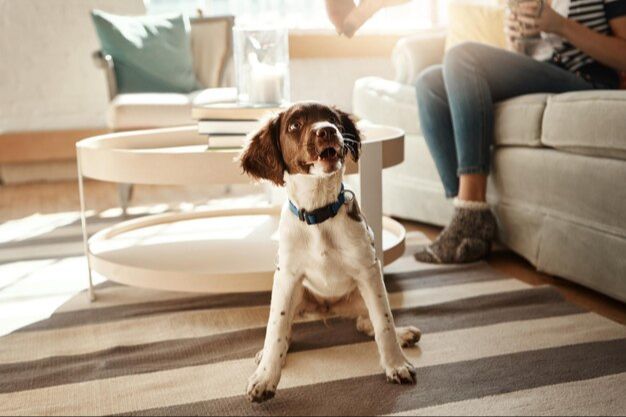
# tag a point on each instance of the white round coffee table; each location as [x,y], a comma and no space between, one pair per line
[214,251]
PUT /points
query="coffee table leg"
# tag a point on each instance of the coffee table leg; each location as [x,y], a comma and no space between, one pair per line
[371,190]
[83,223]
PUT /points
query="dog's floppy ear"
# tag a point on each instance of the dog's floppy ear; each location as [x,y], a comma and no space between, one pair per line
[262,157]
[351,134]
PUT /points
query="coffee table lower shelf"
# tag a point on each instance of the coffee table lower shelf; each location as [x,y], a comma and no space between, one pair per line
[217,251]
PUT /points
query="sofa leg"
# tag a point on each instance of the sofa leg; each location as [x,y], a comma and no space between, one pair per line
[124,194]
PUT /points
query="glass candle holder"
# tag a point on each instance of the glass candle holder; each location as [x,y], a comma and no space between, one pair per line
[261,65]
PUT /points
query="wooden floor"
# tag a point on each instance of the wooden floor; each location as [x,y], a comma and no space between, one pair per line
[23,200]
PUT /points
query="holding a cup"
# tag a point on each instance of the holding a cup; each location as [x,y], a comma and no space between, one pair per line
[526,36]
[527,19]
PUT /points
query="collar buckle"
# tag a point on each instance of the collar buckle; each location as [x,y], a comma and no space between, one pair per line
[302,215]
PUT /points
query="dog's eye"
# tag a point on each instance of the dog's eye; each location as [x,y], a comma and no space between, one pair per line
[294,126]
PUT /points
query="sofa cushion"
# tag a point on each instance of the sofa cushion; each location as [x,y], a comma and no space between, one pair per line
[517,123]
[518,120]
[152,110]
[148,110]
[476,22]
[151,53]
[588,122]
[413,54]
[575,122]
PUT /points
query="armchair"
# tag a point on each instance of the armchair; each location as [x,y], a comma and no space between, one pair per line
[211,45]
[105,63]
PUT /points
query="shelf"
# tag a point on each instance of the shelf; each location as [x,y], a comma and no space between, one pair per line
[219,251]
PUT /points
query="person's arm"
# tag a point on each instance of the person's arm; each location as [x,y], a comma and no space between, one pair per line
[347,17]
[610,50]
[337,11]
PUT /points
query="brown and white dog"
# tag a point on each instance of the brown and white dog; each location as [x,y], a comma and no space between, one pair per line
[326,256]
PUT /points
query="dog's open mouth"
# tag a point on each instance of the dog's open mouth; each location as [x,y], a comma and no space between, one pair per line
[329,154]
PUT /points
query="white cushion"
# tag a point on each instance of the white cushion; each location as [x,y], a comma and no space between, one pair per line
[386,102]
[149,110]
[412,54]
[213,95]
[153,110]
[588,122]
[518,120]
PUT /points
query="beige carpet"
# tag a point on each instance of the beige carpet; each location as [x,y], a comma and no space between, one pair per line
[491,345]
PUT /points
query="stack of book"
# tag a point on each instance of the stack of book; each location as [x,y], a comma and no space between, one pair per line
[227,124]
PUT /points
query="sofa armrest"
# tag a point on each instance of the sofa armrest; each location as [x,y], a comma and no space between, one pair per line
[105,62]
[386,102]
[413,54]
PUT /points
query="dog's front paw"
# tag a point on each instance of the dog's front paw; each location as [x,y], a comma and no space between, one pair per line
[261,387]
[404,374]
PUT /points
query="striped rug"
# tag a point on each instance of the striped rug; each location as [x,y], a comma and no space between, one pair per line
[492,345]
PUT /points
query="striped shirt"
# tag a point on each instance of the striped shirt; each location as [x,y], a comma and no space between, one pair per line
[595,14]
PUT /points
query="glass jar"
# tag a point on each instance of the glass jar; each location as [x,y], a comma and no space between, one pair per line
[261,65]
[530,43]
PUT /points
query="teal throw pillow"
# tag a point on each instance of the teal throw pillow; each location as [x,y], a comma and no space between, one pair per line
[151,53]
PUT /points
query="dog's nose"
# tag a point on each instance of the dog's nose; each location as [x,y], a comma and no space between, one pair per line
[325,132]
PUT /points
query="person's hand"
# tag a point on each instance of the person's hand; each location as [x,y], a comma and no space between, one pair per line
[535,20]
[337,11]
[347,17]
[513,32]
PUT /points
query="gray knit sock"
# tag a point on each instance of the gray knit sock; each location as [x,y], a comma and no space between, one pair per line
[467,238]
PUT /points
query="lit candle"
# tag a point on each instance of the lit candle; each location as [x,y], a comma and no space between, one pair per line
[266,83]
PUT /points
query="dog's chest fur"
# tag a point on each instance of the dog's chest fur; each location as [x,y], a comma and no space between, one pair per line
[330,255]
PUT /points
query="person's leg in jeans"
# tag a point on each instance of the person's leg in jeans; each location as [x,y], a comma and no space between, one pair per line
[455,102]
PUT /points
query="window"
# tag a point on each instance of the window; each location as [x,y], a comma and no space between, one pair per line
[309,15]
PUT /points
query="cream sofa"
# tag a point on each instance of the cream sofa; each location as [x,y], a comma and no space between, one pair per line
[559,170]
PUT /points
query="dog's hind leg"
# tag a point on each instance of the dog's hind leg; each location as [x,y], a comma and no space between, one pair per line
[408,336]
[354,306]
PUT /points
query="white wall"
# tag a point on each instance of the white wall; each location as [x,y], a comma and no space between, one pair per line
[332,80]
[47,78]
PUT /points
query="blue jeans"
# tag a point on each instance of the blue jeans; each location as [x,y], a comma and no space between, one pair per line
[455,102]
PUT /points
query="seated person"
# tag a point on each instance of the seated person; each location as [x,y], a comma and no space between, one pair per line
[455,100]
